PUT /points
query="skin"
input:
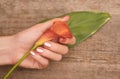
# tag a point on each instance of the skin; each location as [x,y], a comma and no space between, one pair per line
[12,48]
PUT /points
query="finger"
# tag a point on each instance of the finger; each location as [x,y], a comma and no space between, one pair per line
[37,30]
[31,63]
[42,27]
[49,54]
[58,48]
[41,60]
[69,41]
[50,22]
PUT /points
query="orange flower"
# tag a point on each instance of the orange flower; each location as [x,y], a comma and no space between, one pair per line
[58,30]
[61,29]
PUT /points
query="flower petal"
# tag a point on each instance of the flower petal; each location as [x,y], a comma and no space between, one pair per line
[57,30]
[62,29]
[48,35]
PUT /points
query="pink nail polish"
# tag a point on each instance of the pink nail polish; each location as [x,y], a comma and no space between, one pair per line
[47,44]
[32,53]
[39,50]
[62,40]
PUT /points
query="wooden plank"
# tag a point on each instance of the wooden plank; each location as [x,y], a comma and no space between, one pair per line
[96,58]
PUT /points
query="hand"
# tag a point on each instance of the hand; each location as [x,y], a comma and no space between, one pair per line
[23,41]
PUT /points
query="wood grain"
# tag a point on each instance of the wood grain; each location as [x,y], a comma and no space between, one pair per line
[96,58]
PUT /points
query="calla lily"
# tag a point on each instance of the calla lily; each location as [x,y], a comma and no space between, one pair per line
[82,25]
[59,29]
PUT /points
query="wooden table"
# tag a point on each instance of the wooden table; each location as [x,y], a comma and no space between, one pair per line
[96,58]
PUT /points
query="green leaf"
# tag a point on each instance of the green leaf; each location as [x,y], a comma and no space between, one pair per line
[82,24]
[85,23]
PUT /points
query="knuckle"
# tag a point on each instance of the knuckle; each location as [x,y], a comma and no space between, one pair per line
[66,50]
[73,40]
[59,58]
[38,67]
[45,64]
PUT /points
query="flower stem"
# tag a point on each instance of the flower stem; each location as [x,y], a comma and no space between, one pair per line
[18,63]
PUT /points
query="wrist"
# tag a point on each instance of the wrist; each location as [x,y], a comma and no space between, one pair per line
[6,48]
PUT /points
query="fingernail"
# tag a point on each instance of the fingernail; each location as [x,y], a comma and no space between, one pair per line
[39,50]
[47,44]
[33,53]
[62,40]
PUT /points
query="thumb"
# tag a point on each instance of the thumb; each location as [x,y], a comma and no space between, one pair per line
[42,27]
[69,41]
[34,32]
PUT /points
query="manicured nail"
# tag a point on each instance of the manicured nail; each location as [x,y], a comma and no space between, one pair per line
[47,44]
[62,40]
[39,50]
[33,53]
